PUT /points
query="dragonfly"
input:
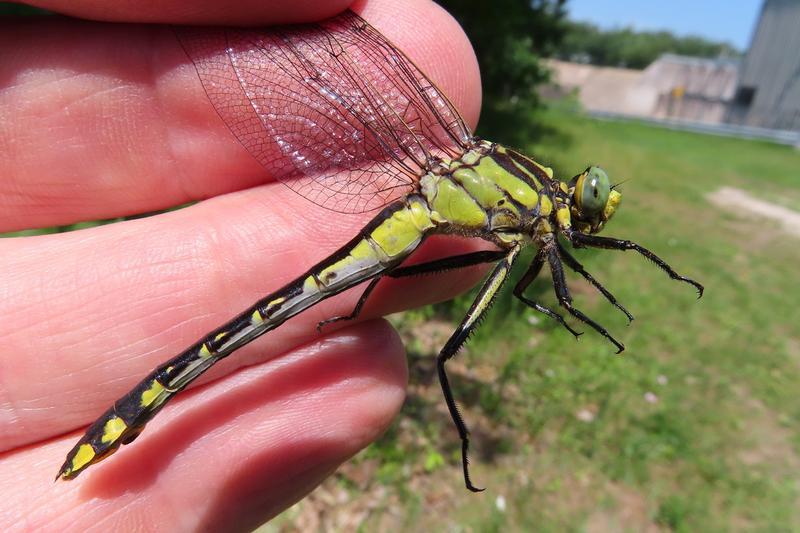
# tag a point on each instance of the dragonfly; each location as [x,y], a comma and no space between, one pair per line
[341,116]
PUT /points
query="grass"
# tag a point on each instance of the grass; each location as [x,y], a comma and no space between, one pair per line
[695,427]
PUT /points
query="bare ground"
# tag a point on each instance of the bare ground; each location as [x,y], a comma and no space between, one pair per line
[739,200]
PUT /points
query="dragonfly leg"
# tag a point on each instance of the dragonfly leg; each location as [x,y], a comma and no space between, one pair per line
[596,241]
[356,310]
[481,304]
[431,267]
[533,270]
[573,263]
[449,263]
[564,298]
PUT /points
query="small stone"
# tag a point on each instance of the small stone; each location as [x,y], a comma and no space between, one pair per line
[500,503]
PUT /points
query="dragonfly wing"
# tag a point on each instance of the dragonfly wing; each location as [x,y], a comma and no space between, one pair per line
[332,109]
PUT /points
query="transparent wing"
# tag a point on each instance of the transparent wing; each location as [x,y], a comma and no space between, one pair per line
[332,109]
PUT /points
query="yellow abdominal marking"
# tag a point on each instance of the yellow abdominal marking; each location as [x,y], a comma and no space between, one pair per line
[329,275]
[113,429]
[398,233]
[151,394]
[83,457]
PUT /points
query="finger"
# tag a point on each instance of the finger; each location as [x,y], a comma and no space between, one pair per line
[208,12]
[228,456]
[99,121]
[87,314]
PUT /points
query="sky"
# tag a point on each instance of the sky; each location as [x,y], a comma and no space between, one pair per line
[722,20]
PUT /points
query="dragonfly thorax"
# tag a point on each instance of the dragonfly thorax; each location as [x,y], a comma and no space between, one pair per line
[495,190]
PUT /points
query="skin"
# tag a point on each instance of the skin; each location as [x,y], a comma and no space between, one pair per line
[101,120]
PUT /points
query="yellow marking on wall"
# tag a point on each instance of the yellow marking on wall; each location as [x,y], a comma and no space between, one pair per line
[82,457]
[152,394]
[113,429]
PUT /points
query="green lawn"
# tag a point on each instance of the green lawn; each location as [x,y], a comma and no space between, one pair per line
[695,427]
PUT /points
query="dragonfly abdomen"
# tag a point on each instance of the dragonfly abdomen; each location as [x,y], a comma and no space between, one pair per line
[382,244]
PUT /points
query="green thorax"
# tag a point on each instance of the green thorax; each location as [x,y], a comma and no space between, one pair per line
[491,188]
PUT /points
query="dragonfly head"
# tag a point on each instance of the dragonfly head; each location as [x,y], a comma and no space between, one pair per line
[594,200]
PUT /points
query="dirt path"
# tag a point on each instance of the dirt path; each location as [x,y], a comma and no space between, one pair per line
[731,198]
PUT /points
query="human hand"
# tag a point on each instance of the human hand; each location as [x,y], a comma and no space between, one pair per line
[102,120]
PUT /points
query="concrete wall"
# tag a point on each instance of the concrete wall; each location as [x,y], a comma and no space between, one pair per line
[769,86]
[672,87]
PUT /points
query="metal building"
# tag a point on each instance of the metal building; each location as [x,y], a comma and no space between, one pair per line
[768,93]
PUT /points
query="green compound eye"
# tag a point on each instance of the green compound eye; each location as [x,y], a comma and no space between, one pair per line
[592,190]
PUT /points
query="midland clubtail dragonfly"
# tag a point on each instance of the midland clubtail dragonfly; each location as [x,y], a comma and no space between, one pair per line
[345,119]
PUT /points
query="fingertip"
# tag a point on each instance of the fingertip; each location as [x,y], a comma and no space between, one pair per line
[242,449]
[198,12]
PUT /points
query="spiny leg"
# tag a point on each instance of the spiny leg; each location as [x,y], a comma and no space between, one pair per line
[356,310]
[619,244]
[431,267]
[577,267]
[533,270]
[564,298]
[449,263]
[481,304]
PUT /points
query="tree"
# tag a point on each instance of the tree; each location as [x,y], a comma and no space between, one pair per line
[625,47]
[510,38]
